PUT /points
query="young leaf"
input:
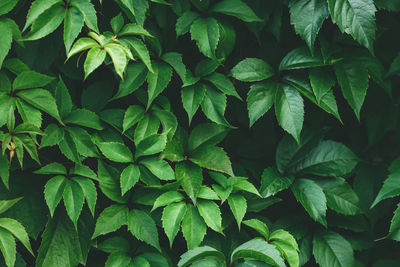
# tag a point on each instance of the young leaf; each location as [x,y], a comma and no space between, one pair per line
[115,151]
[260,99]
[118,58]
[129,177]
[53,192]
[286,243]
[190,176]
[238,206]
[252,70]
[211,214]
[73,23]
[143,227]
[205,31]
[110,220]
[331,249]
[307,17]
[193,227]
[311,196]
[171,219]
[289,110]
[236,8]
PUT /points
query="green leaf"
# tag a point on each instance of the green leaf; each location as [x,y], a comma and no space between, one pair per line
[89,190]
[28,113]
[259,226]
[236,8]
[171,219]
[394,231]
[134,29]
[88,11]
[143,227]
[63,99]
[94,59]
[6,204]
[6,41]
[83,142]
[355,17]
[329,158]
[31,79]
[241,183]
[46,23]
[8,247]
[111,219]
[213,158]
[73,200]
[84,171]
[190,176]
[115,151]
[175,60]
[41,99]
[389,189]
[206,134]
[160,168]
[132,115]
[141,261]
[260,99]
[151,145]
[311,196]
[238,206]
[206,67]
[73,23]
[184,22]
[211,214]
[307,17]
[193,227]
[158,81]
[118,58]
[18,230]
[259,250]
[68,148]
[146,127]
[289,110]
[53,136]
[223,84]
[37,8]
[331,249]
[192,96]
[167,198]
[52,168]
[214,105]
[7,5]
[118,259]
[129,177]
[340,196]
[198,253]
[300,58]
[136,74]
[252,70]
[286,243]
[53,192]
[84,117]
[109,182]
[272,182]
[205,31]
[4,170]
[81,45]
[140,49]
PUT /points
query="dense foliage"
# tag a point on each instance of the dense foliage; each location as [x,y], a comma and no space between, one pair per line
[199,133]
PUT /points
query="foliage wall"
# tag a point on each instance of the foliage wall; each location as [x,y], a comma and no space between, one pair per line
[199,133]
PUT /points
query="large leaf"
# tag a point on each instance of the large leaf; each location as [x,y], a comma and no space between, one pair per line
[191,178]
[236,8]
[289,110]
[171,219]
[389,189]
[355,17]
[111,219]
[115,151]
[331,249]
[251,70]
[311,196]
[260,99]
[213,158]
[329,158]
[143,227]
[211,214]
[259,250]
[307,17]
[53,192]
[238,206]
[193,227]
[205,31]
[73,23]
[129,177]
[158,81]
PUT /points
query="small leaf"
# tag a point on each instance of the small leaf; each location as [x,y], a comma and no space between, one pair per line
[88,11]
[143,227]
[94,59]
[89,190]
[6,41]
[205,31]
[259,226]
[167,198]
[193,227]
[171,219]
[110,220]
[115,151]
[206,134]
[158,81]
[73,23]
[260,99]
[192,96]
[53,192]
[236,8]
[213,158]
[52,168]
[252,70]
[6,204]
[211,214]
[151,145]
[300,58]
[272,182]
[238,206]
[136,74]
[63,99]
[389,189]
[129,177]
[198,253]
[8,247]
[160,168]
[31,79]
[132,115]
[184,22]
[190,176]
[140,49]
[223,84]
[84,117]
[73,200]
[18,230]
[118,58]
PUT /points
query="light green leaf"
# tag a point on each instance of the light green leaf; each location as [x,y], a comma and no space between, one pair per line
[259,250]
[389,189]
[28,113]
[198,253]
[53,136]
[213,158]
[6,204]
[73,23]
[158,81]
[340,196]
[307,17]
[289,110]
[171,219]
[331,249]
[238,206]
[81,45]
[140,49]
[129,177]
[143,227]
[7,5]
[160,168]
[4,170]
[53,192]
[120,259]
[260,99]
[190,176]
[84,171]
[259,226]
[82,139]
[8,247]
[207,193]
[89,190]
[115,151]
[286,243]
[84,117]
[18,230]
[272,182]
[329,158]
[88,11]
[192,96]
[236,8]
[147,126]
[133,114]
[355,17]
[205,31]
[311,196]
[6,41]
[37,8]
[41,99]
[223,84]
[31,79]
[134,29]
[151,145]
[46,23]
[252,70]
[211,214]
[52,168]
[73,200]
[214,105]
[110,220]
[118,58]
[184,22]
[94,59]
[167,198]
[193,227]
